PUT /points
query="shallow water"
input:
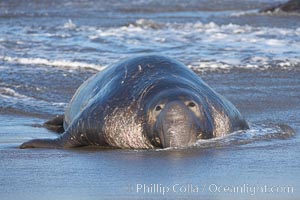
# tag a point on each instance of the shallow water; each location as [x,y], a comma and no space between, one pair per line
[47,49]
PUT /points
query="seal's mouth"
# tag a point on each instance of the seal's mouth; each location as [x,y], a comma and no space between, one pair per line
[176,125]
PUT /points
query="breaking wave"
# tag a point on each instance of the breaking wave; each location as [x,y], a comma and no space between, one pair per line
[52,63]
[202,46]
[208,46]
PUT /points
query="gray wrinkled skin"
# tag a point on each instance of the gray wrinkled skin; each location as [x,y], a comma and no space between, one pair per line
[144,102]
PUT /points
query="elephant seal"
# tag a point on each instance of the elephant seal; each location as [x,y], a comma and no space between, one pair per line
[144,102]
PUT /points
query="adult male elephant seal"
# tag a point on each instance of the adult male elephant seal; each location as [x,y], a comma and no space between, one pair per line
[144,102]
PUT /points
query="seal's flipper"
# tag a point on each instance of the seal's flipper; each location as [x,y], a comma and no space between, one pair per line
[56,124]
[66,140]
[42,143]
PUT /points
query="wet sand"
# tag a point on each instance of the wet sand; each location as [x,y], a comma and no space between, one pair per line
[264,97]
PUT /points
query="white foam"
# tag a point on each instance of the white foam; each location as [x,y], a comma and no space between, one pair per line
[8,92]
[52,63]
[70,25]
[256,133]
[206,45]
[243,13]
[274,42]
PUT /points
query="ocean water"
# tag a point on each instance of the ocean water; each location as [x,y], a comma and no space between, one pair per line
[48,48]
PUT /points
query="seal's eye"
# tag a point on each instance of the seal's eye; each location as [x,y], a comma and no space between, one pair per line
[191,104]
[158,108]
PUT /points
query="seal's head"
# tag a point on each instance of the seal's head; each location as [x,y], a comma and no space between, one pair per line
[175,119]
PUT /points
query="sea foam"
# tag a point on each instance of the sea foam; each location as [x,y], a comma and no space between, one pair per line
[52,63]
